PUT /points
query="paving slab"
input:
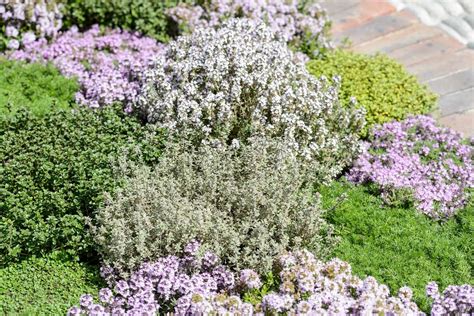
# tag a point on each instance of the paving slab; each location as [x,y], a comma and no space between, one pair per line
[377,27]
[457,102]
[364,11]
[461,80]
[438,67]
[431,38]
[438,46]
[463,123]
[338,8]
[410,35]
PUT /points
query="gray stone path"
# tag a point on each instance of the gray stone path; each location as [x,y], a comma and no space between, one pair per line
[420,41]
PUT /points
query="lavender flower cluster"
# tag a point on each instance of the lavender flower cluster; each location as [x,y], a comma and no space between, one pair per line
[197,284]
[154,286]
[22,22]
[296,21]
[242,80]
[108,65]
[432,163]
[455,300]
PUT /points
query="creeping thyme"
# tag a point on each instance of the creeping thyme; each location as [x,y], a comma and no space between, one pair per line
[184,285]
[26,20]
[416,159]
[108,65]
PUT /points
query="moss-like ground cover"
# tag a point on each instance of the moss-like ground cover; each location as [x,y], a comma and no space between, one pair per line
[399,246]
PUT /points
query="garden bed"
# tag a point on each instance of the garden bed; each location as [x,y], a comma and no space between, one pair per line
[221,157]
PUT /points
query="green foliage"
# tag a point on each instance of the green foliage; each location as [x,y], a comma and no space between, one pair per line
[145,16]
[54,170]
[270,283]
[378,83]
[45,286]
[37,87]
[399,246]
[246,205]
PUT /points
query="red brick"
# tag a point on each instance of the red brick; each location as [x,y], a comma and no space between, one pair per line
[398,39]
[364,12]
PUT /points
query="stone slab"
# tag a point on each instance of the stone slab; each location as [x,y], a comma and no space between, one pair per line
[364,11]
[406,36]
[431,69]
[463,123]
[377,27]
[438,46]
[454,82]
[457,102]
[453,16]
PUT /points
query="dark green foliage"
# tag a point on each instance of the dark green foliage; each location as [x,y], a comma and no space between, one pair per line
[45,286]
[399,246]
[378,83]
[37,87]
[145,16]
[54,170]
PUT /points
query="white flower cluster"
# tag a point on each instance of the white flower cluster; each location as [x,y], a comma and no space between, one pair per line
[27,20]
[241,80]
[298,22]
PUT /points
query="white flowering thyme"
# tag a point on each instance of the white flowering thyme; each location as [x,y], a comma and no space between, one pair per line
[242,80]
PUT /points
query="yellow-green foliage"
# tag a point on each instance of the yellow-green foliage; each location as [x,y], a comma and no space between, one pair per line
[378,83]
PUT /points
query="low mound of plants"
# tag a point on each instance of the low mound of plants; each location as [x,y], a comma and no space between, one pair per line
[196,284]
[245,204]
[45,286]
[54,170]
[147,17]
[304,25]
[419,163]
[398,245]
[108,64]
[379,84]
[40,88]
[242,80]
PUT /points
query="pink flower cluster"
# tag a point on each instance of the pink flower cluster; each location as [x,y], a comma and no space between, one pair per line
[26,20]
[108,65]
[155,285]
[196,284]
[432,163]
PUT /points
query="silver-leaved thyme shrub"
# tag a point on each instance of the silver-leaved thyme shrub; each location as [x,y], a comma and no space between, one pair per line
[241,80]
[245,204]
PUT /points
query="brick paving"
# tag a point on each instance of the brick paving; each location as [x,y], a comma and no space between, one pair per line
[417,34]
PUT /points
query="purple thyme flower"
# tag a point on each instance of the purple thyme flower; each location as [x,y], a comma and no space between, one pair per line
[109,66]
[417,160]
[250,279]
